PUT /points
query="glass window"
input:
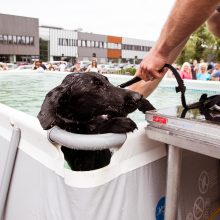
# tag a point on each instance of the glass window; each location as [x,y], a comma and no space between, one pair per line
[92,43]
[59,41]
[5,39]
[23,40]
[19,39]
[10,39]
[1,38]
[14,39]
[88,43]
[101,44]
[96,44]
[83,43]
[65,42]
[27,40]
[105,45]
[79,43]
[73,42]
[31,40]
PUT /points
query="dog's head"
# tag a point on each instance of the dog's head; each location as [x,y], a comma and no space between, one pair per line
[82,96]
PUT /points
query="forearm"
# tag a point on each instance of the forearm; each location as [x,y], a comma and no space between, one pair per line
[185,17]
[213,23]
[145,88]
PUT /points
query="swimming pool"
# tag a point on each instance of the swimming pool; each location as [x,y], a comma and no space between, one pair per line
[25,91]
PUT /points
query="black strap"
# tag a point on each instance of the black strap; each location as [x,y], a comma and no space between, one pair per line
[205,104]
[181,87]
[130,82]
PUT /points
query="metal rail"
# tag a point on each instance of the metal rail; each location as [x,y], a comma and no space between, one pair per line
[86,141]
[8,169]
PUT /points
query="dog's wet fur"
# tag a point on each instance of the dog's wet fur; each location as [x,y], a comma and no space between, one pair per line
[87,103]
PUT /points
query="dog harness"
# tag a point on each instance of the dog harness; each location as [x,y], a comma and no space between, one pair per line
[208,106]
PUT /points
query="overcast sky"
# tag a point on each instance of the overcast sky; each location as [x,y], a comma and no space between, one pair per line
[140,19]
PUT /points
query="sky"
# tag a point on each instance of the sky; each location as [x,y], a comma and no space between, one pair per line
[141,19]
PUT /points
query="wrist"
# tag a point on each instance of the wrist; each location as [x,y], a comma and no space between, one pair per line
[162,49]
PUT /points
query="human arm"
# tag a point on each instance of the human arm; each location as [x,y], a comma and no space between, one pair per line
[173,37]
[185,17]
[145,88]
[213,23]
[88,68]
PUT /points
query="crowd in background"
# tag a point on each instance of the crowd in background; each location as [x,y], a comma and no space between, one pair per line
[198,71]
[62,66]
[188,70]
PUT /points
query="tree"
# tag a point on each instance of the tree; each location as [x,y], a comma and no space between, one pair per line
[201,45]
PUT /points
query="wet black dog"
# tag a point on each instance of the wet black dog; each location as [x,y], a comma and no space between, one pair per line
[87,103]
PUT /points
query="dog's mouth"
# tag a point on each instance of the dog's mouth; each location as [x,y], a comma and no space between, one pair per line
[121,111]
[115,111]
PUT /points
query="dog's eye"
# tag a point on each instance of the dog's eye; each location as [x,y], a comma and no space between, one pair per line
[98,82]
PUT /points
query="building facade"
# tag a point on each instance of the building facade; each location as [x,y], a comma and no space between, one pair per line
[134,50]
[92,45]
[57,44]
[19,38]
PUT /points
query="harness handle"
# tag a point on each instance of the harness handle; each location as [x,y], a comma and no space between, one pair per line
[180,88]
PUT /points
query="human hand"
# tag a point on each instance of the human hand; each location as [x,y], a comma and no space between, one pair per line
[152,67]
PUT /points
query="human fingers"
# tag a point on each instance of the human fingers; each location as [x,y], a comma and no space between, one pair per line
[152,72]
[142,75]
[147,73]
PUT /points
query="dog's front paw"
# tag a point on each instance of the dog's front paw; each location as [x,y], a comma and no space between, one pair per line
[119,125]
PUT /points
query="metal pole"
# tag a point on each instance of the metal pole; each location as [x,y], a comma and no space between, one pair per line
[173,182]
[8,170]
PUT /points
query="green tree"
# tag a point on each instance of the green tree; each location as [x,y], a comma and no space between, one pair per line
[201,45]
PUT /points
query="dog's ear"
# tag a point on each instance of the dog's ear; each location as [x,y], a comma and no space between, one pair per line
[47,114]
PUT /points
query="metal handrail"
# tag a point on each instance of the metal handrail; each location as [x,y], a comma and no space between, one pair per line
[9,167]
[85,141]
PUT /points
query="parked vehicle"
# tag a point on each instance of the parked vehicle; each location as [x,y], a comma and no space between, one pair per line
[24,67]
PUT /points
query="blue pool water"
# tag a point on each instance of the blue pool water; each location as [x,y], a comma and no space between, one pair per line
[26,91]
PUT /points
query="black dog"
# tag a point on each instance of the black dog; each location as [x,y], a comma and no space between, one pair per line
[87,103]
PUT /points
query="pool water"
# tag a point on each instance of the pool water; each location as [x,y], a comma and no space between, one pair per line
[26,91]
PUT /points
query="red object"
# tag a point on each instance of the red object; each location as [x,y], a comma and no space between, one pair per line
[160,119]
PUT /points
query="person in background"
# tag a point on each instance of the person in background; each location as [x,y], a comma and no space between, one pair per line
[93,67]
[169,73]
[1,67]
[216,72]
[185,72]
[42,65]
[51,67]
[203,74]
[194,68]
[62,66]
[173,37]
[4,66]
[77,68]
[37,66]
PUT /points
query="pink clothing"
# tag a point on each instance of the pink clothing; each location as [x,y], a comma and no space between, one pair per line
[185,75]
